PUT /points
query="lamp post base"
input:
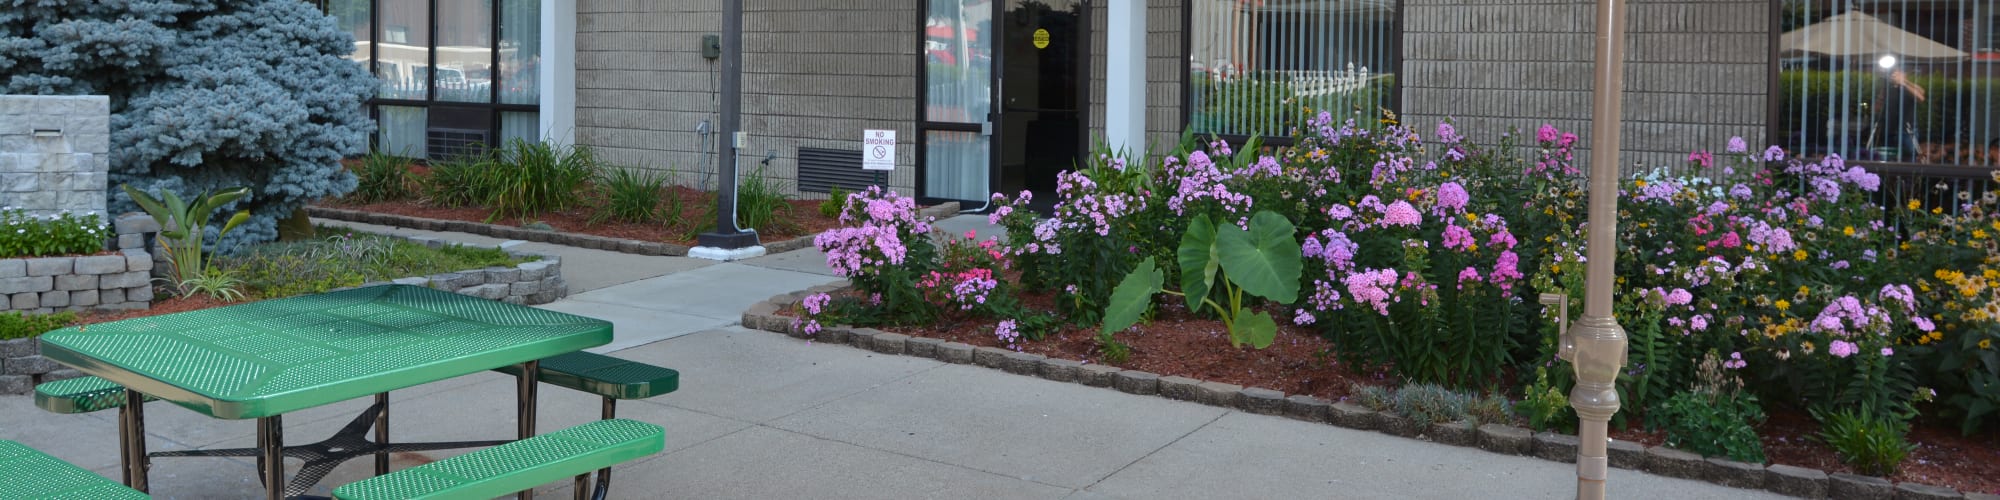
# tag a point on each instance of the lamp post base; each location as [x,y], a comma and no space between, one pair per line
[730,241]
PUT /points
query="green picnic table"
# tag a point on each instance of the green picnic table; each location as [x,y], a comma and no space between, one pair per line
[264,359]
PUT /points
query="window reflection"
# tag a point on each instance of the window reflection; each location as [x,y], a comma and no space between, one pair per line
[1255,67]
[1892,81]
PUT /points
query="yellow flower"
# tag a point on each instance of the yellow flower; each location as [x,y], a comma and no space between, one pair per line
[1978,234]
[1783,304]
[1848,231]
[1803,290]
[1990,274]
[1916,205]
[1701,248]
[1986,344]
[1799,255]
[1808,346]
[1556,268]
[1641,183]
[1937,210]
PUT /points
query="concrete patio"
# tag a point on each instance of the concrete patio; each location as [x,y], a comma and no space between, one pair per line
[762,415]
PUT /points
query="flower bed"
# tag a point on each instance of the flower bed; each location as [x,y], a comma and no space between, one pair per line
[1424,260]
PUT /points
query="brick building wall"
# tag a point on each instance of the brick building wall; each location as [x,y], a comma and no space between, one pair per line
[1697,72]
[815,74]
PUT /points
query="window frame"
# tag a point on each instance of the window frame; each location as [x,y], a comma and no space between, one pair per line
[493,107]
[1187,76]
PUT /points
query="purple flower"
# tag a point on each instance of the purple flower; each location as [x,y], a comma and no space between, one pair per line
[1887,352]
[1547,133]
[1738,145]
[1401,213]
[1453,196]
[1923,323]
[1339,212]
[1447,134]
[1842,348]
[1005,331]
[1302,317]
[1774,154]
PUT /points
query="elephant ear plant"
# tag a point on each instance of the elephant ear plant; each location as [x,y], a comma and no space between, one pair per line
[1263,260]
[184,225]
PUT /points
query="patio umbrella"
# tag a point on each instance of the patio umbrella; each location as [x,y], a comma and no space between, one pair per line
[1858,34]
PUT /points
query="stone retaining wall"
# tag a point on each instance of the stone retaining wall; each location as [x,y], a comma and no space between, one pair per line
[1493,437]
[114,282]
[54,153]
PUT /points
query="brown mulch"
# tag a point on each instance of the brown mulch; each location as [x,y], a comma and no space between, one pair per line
[1176,342]
[161,305]
[802,219]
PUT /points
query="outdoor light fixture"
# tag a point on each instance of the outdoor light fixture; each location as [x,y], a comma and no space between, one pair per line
[1887,62]
[1595,347]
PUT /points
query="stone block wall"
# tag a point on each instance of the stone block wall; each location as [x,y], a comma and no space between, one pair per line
[118,281]
[54,153]
[816,73]
[1696,73]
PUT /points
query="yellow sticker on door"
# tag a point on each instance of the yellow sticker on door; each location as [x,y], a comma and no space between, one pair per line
[1041,38]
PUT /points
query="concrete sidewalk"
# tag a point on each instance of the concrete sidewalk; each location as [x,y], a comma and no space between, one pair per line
[762,415]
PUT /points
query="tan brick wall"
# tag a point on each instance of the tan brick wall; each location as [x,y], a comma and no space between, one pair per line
[1697,71]
[815,74]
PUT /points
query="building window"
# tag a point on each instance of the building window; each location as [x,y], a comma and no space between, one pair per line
[1891,81]
[1256,66]
[455,75]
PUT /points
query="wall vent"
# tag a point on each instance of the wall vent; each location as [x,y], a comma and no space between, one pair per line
[820,169]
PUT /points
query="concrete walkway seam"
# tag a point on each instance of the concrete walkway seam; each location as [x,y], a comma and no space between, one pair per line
[1490,437]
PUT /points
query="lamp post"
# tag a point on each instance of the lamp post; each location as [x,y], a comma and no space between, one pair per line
[1595,348]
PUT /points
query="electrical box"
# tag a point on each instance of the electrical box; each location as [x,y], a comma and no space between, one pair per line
[711,46]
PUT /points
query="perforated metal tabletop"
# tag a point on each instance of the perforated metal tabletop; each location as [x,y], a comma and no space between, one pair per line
[277,356]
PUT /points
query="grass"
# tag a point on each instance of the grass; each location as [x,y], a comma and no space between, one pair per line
[343,259]
[381,177]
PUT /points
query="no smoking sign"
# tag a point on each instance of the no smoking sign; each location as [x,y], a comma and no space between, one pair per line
[878,150]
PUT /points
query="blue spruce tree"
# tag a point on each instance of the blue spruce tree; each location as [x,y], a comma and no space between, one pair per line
[205,94]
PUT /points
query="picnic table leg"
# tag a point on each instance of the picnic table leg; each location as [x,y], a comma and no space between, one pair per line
[526,416]
[271,438]
[382,434]
[604,475]
[132,439]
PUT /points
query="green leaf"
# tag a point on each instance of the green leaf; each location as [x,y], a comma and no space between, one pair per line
[1256,329]
[1133,297]
[1265,260]
[1198,260]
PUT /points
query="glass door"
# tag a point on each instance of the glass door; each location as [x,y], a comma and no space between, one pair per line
[1043,61]
[956,133]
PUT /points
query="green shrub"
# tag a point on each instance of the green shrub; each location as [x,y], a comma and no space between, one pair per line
[1872,443]
[345,259]
[381,177]
[760,203]
[630,196]
[534,178]
[836,200]
[24,235]
[1713,418]
[457,182]
[1546,407]
[15,325]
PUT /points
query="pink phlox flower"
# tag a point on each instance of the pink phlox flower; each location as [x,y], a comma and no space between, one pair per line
[1547,133]
[1401,213]
[1842,349]
[1451,196]
[1457,238]
[1704,158]
[1738,145]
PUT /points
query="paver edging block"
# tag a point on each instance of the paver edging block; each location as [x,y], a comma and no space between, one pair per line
[1556,447]
[1307,408]
[1670,462]
[1734,474]
[1843,486]
[1136,382]
[1058,369]
[1795,481]
[1626,454]
[1497,438]
[579,240]
[1505,439]
[1261,401]
[1353,416]
[1023,363]
[1460,433]
[1916,491]
[1178,388]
